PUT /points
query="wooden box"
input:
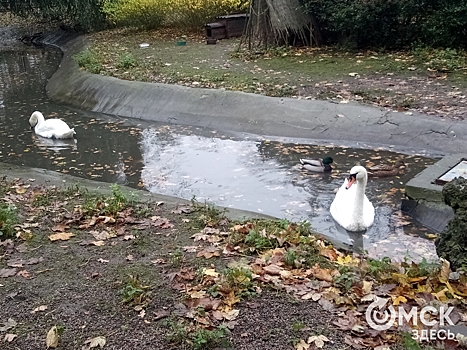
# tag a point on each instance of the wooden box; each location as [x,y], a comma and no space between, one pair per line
[234,24]
[215,30]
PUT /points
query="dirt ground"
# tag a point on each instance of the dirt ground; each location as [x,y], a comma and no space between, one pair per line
[434,83]
[83,270]
[76,283]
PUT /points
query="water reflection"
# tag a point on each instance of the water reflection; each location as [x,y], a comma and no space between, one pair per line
[54,145]
[264,176]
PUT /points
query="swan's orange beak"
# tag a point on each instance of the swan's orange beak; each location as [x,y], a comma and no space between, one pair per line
[352,178]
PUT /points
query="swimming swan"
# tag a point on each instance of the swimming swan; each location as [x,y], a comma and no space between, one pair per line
[351,207]
[50,128]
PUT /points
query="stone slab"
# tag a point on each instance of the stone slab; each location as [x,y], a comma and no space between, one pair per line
[423,186]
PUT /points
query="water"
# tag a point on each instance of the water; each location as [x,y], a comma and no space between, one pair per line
[237,171]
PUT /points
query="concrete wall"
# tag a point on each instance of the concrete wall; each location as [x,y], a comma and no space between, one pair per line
[250,113]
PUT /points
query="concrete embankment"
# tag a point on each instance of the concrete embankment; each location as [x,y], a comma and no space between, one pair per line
[249,113]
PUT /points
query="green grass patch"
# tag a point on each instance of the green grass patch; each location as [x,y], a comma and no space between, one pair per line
[8,219]
[89,60]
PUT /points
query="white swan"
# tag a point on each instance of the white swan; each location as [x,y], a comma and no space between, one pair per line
[50,128]
[351,207]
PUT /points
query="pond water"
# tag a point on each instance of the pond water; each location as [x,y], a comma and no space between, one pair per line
[232,170]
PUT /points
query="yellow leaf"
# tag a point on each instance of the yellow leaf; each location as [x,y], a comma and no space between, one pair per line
[198,294]
[63,236]
[441,295]
[52,337]
[210,272]
[416,279]
[445,271]
[347,260]
[366,288]
[318,340]
[20,190]
[231,299]
[399,299]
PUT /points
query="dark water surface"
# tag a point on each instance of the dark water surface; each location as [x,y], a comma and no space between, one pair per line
[237,171]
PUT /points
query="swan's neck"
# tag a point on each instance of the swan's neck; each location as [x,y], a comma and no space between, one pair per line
[357,213]
[39,117]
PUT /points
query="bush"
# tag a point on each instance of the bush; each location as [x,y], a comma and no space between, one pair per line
[150,14]
[85,15]
[391,24]
[147,14]
[193,14]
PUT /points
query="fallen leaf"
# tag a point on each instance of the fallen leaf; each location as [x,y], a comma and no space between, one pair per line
[7,272]
[231,315]
[52,337]
[63,236]
[11,323]
[24,274]
[302,345]
[9,337]
[209,252]
[198,294]
[60,228]
[39,308]
[210,272]
[100,236]
[273,269]
[318,340]
[94,342]
[21,190]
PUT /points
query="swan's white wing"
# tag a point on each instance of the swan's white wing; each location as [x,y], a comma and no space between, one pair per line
[341,207]
[341,211]
[368,212]
[54,128]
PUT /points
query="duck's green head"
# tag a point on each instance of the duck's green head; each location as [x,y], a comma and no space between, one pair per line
[327,160]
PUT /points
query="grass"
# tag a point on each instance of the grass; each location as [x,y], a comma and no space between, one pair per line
[134,292]
[209,339]
[108,204]
[8,219]
[90,61]
[277,71]
[201,338]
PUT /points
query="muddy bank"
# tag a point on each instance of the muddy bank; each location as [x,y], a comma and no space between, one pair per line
[241,112]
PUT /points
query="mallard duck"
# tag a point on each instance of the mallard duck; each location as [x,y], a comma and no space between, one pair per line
[386,170]
[50,128]
[351,207]
[318,165]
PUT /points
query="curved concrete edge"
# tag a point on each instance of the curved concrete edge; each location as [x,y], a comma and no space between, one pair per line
[249,113]
[53,178]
